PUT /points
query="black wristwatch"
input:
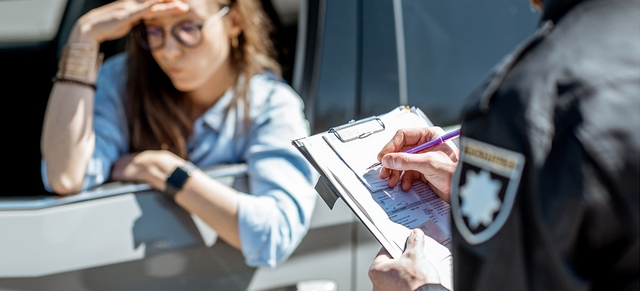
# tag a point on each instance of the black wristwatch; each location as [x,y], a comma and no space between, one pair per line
[176,180]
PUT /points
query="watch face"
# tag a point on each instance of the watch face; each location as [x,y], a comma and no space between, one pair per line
[176,180]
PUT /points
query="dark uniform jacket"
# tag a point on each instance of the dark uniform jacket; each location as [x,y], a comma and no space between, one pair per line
[546,194]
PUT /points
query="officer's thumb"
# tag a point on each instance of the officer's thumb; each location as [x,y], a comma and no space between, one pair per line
[415,242]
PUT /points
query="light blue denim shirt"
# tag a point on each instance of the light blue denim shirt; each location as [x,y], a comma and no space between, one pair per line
[272,219]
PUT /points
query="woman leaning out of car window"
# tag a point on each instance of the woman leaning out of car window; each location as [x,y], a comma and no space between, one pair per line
[197,87]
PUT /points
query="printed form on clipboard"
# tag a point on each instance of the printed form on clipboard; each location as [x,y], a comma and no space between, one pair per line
[342,155]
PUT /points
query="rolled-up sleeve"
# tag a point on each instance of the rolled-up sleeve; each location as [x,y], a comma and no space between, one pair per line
[275,217]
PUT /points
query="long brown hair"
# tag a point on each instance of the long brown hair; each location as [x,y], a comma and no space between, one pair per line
[157,111]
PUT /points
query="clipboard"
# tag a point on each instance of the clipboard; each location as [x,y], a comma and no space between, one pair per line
[351,131]
[342,154]
[358,129]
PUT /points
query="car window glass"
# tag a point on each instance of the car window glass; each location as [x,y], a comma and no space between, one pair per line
[452,45]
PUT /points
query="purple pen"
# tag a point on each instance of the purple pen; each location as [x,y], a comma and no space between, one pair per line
[426,145]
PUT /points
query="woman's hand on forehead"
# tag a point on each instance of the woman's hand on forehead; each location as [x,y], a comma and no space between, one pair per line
[115,20]
[165,8]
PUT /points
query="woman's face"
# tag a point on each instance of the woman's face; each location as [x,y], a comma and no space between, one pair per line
[190,68]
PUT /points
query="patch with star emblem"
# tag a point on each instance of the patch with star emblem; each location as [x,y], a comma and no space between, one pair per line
[484,188]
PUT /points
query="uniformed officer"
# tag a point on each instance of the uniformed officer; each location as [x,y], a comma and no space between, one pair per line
[545,192]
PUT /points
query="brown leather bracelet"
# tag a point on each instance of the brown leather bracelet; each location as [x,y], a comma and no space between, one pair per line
[64,80]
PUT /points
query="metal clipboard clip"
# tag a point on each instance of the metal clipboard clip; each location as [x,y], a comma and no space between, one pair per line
[358,129]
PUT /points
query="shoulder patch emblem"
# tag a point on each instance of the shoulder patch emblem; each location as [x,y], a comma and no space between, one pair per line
[484,188]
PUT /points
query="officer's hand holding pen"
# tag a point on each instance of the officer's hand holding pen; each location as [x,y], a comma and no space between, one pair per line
[435,166]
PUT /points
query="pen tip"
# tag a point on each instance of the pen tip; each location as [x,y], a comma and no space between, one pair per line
[374,165]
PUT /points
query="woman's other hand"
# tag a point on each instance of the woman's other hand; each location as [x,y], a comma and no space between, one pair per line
[148,167]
